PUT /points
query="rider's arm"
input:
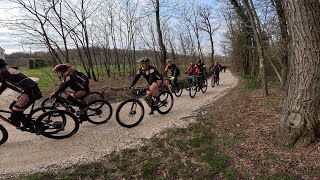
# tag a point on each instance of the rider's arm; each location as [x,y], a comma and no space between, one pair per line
[188,69]
[64,85]
[175,69]
[136,78]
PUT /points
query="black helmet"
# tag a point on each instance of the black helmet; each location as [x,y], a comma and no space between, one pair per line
[2,63]
[144,60]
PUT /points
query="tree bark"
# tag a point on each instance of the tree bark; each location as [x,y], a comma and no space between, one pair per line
[300,119]
[163,53]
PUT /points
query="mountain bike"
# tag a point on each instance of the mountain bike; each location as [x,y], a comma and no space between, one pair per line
[173,88]
[214,79]
[97,111]
[131,111]
[53,123]
[202,84]
[89,97]
[192,85]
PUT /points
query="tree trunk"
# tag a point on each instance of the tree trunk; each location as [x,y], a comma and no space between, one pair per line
[163,53]
[255,25]
[300,119]
[284,43]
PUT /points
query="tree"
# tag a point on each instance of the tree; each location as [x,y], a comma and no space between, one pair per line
[206,15]
[163,53]
[299,120]
[256,28]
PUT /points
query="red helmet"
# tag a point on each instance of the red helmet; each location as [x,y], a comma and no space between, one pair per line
[64,69]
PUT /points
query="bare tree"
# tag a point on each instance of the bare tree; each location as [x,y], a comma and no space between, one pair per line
[205,13]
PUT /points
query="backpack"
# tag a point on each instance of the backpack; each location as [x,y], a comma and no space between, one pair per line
[81,78]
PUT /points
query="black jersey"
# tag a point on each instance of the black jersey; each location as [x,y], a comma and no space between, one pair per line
[151,75]
[15,80]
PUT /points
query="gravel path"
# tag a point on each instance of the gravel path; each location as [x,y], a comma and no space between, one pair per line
[25,153]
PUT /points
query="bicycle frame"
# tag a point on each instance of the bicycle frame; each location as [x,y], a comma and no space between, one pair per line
[9,112]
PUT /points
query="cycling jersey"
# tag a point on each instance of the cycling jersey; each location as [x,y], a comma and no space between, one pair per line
[150,74]
[15,80]
[76,80]
[201,67]
[192,70]
[175,72]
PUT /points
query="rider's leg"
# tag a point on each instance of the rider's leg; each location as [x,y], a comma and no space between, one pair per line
[153,92]
[77,98]
[18,107]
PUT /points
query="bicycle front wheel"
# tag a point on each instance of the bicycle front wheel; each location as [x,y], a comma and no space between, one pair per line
[130,113]
[204,86]
[193,89]
[58,124]
[99,111]
[165,102]
[178,90]
[3,134]
[212,81]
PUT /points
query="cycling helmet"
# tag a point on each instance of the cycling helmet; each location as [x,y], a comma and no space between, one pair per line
[2,63]
[64,69]
[169,61]
[144,60]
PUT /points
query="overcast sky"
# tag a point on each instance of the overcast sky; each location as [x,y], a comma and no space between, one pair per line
[13,43]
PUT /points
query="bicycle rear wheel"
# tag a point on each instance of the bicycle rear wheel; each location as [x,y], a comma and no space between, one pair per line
[3,134]
[204,86]
[57,124]
[93,96]
[130,113]
[99,111]
[165,104]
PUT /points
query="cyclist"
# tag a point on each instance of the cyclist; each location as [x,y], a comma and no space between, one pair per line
[153,77]
[175,72]
[216,69]
[202,69]
[76,81]
[192,69]
[30,92]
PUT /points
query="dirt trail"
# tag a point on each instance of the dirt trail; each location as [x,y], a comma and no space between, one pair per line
[25,152]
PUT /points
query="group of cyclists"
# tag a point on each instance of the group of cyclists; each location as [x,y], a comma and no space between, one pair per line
[79,83]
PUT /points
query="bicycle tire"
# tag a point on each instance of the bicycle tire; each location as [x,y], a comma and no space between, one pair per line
[169,95]
[93,96]
[47,102]
[98,111]
[192,89]
[134,102]
[204,86]
[64,115]
[212,81]
[4,135]
[178,90]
